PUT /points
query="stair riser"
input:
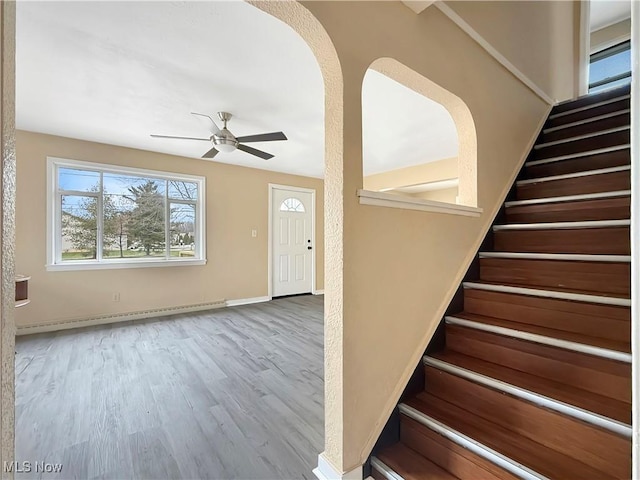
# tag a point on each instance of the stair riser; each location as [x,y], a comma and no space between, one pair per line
[594,374]
[448,455]
[596,277]
[607,182]
[584,145]
[605,321]
[580,164]
[592,445]
[590,113]
[586,128]
[584,210]
[611,241]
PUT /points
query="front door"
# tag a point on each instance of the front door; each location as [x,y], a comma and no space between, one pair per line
[292,241]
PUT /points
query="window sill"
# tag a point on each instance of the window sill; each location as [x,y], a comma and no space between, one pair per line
[391,200]
[80,265]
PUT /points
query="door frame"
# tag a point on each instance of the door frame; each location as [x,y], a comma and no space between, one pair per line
[276,186]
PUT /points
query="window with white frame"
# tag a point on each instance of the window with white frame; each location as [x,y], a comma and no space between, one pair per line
[105,216]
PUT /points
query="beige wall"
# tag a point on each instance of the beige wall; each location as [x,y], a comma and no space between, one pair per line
[426,172]
[399,268]
[237,202]
[447,195]
[538,37]
[611,35]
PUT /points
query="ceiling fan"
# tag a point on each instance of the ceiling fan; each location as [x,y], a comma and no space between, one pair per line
[224,141]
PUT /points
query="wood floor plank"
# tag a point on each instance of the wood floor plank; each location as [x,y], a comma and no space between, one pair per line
[229,393]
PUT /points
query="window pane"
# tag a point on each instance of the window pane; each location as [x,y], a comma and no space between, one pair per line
[610,66]
[116,239]
[183,226]
[183,190]
[79,227]
[291,205]
[78,180]
[146,228]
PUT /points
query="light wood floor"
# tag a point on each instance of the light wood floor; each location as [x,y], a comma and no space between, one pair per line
[234,393]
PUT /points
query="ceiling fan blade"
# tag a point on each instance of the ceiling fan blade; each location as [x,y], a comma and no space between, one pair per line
[211,153]
[215,129]
[181,138]
[255,151]
[263,137]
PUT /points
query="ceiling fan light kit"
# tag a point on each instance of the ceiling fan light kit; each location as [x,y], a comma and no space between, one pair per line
[224,141]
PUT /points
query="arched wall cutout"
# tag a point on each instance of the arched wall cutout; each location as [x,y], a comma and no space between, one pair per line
[305,24]
[467,139]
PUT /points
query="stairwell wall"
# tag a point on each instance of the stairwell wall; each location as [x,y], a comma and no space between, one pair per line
[401,268]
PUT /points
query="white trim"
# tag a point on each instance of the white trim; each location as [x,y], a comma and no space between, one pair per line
[318,292]
[585,121]
[590,106]
[516,468]
[534,292]
[246,301]
[385,470]
[325,471]
[418,6]
[542,339]
[276,186]
[581,137]
[635,236]
[117,317]
[569,198]
[469,30]
[117,263]
[380,199]
[563,225]
[565,176]
[573,257]
[534,397]
[584,46]
[572,156]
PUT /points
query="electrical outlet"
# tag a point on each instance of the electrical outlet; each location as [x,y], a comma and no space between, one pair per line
[254,233]
[116,297]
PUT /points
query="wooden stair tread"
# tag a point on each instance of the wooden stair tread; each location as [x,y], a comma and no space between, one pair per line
[554,289]
[614,208]
[533,455]
[605,406]
[549,332]
[580,164]
[597,278]
[411,465]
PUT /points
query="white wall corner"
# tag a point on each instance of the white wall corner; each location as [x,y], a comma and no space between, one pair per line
[325,471]
[418,5]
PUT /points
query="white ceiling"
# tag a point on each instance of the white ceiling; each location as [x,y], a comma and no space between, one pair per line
[607,12]
[401,128]
[115,72]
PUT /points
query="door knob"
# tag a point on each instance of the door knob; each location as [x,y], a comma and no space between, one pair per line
[309,248]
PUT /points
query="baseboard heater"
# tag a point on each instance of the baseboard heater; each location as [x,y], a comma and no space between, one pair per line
[118,317]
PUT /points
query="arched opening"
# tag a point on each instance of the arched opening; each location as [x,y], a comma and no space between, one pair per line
[419,139]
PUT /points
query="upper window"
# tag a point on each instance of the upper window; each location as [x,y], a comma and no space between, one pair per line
[103,216]
[291,205]
[610,67]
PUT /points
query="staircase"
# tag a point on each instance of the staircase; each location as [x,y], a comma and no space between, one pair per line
[535,379]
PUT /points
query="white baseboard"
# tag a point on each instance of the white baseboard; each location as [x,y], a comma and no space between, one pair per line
[117,317]
[325,471]
[318,292]
[246,301]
